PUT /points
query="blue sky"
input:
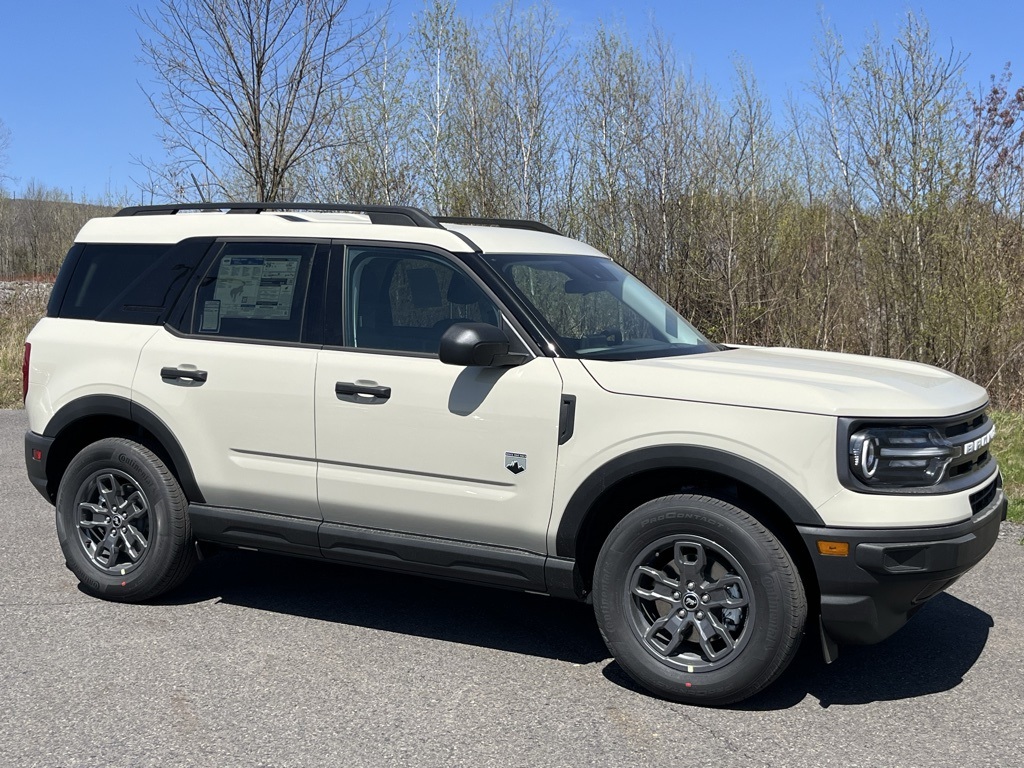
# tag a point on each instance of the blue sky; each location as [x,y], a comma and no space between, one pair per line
[70,93]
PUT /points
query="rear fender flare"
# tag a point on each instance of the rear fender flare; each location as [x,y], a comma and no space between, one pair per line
[122,407]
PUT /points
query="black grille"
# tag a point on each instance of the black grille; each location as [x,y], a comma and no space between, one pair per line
[965,433]
[973,422]
[982,499]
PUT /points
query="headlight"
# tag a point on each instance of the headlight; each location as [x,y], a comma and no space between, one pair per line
[899,456]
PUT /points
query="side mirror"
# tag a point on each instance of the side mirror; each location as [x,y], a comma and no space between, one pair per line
[478,344]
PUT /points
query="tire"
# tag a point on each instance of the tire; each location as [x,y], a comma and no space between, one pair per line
[697,601]
[122,522]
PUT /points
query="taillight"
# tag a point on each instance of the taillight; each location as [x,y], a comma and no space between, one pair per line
[24,371]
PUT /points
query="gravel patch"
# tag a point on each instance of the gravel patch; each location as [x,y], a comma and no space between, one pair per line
[11,290]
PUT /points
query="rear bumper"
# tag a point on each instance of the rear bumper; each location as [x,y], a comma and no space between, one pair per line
[36,468]
[889,574]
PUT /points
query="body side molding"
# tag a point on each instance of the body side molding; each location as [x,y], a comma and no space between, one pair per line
[444,558]
[450,559]
[255,530]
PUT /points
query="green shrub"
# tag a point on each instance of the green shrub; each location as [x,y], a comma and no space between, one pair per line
[1009,450]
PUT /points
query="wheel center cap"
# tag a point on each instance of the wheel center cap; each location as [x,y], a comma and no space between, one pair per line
[691,601]
[117,521]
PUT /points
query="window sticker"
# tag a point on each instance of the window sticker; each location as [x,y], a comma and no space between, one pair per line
[256,287]
[211,317]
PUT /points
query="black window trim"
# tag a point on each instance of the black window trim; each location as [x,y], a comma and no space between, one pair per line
[63,281]
[241,339]
[535,327]
[338,276]
[184,310]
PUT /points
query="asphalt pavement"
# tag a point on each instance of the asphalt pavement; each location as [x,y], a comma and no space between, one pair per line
[267,661]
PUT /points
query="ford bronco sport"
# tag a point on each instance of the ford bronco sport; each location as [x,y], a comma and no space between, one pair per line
[487,400]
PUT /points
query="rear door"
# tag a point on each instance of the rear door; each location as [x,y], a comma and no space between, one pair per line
[234,379]
[407,443]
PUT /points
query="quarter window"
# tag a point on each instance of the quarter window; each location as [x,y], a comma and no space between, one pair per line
[101,275]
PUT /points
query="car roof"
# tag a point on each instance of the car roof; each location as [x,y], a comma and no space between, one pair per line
[457,238]
[498,240]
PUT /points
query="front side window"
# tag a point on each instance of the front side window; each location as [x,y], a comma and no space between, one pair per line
[405,300]
[597,309]
[254,291]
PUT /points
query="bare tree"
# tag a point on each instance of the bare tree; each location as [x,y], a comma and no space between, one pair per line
[5,144]
[247,90]
[614,102]
[36,227]
[439,34]
[899,145]
[527,71]
[376,166]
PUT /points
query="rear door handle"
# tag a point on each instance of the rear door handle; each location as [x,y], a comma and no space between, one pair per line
[177,374]
[347,390]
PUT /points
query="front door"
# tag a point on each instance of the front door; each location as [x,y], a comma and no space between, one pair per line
[407,443]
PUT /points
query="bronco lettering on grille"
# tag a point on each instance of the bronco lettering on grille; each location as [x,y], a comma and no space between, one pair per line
[976,445]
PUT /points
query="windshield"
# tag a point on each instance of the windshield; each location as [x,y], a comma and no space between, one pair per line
[597,309]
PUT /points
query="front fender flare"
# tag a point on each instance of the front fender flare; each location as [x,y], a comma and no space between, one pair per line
[683,457]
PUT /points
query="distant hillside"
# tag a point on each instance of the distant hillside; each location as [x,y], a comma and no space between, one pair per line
[36,233]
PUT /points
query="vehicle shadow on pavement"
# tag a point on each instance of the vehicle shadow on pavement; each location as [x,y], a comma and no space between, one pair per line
[931,654]
[500,619]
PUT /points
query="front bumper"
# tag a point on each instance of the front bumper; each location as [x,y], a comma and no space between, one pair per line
[889,574]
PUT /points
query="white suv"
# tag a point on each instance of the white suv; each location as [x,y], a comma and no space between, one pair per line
[490,401]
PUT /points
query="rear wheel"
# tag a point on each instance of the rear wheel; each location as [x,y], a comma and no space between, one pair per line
[697,601]
[122,522]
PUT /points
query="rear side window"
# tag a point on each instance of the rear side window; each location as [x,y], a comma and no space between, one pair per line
[254,291]
[101,273]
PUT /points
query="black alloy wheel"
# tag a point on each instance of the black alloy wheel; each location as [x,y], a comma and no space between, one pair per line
[697,600]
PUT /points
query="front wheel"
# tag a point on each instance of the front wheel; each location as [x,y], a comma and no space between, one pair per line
[698,601]
[122,522]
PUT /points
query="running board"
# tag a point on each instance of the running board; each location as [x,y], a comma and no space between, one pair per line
[405,552]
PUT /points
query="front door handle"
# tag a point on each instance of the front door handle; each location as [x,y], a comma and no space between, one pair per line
[347,390]
[177,374]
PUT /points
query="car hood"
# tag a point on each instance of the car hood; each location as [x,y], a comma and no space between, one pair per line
[798,380]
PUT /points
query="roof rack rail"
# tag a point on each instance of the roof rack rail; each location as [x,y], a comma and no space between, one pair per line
[535,226]
[400,215]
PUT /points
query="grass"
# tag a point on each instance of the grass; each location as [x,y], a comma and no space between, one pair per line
[1009,450]
[23,302]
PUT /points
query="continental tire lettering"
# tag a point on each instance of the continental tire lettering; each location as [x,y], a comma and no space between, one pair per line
[690,515]
[126,459]
[774,629]
[660,519]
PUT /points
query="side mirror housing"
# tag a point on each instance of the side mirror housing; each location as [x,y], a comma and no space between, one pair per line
[478,344]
